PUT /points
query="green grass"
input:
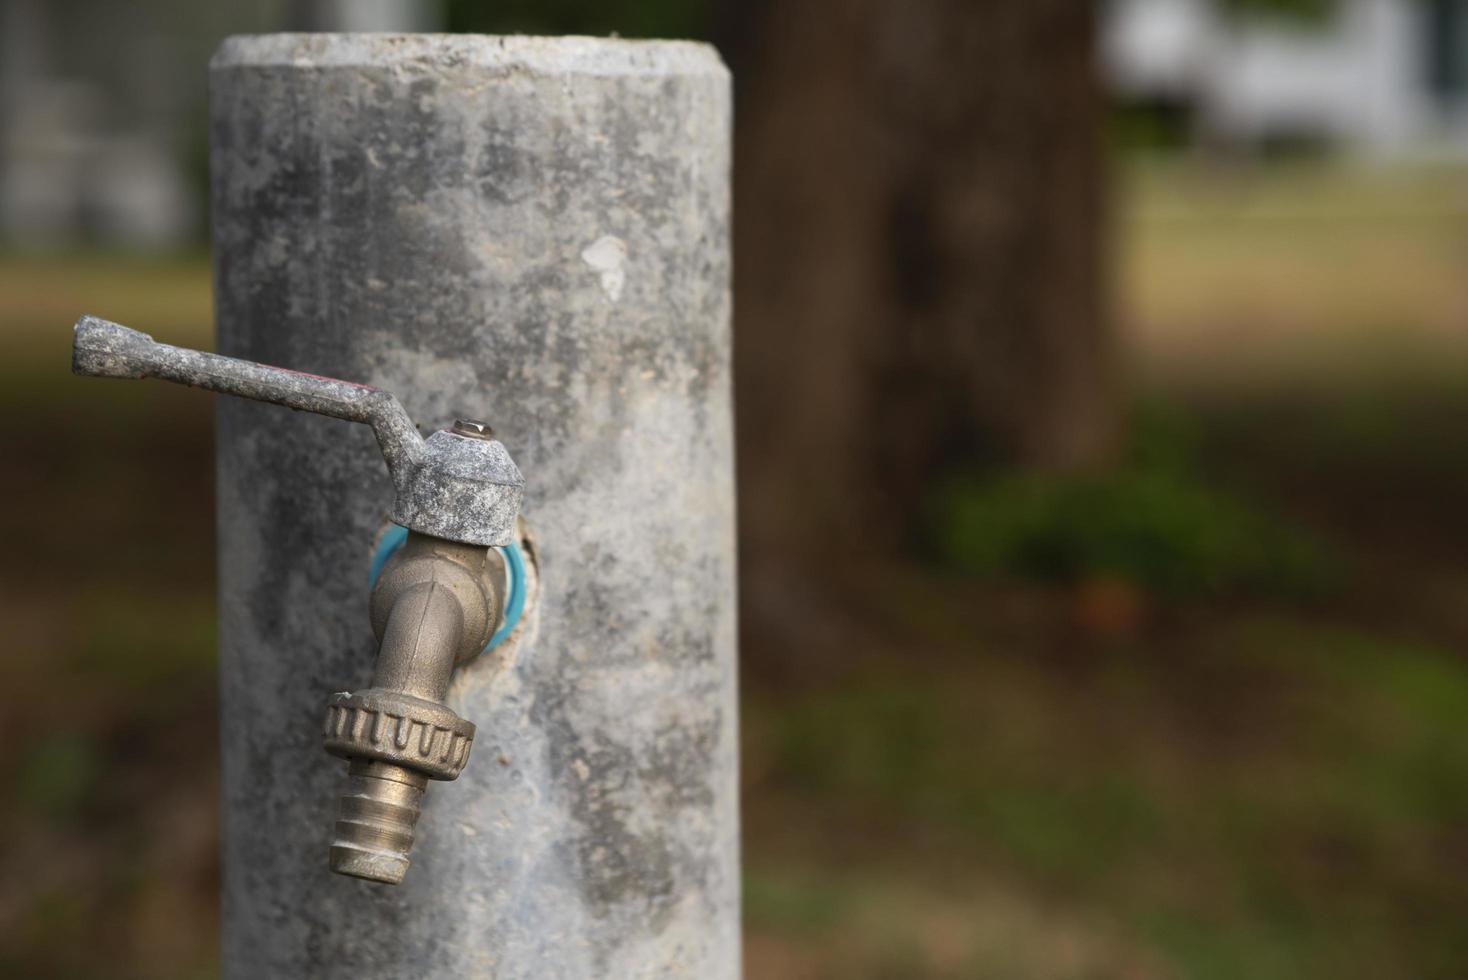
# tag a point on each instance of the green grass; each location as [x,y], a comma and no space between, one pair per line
[1284,813]
[57,775]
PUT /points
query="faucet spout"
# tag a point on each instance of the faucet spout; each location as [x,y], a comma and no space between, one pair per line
[425,627]
[435,605]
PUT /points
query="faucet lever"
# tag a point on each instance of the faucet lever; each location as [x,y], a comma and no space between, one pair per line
[459,484]
[103,349]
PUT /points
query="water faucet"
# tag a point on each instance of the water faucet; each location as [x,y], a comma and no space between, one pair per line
[436,602]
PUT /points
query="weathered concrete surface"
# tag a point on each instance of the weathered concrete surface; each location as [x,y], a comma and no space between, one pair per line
[533,232]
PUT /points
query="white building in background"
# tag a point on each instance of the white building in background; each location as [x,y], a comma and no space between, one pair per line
[1383,78]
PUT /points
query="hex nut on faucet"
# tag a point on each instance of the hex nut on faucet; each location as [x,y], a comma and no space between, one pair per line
[435,605]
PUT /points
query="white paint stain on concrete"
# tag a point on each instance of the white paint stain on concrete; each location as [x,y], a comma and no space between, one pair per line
[606,256]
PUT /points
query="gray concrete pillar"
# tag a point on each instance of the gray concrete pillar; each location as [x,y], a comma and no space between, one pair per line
[532,231]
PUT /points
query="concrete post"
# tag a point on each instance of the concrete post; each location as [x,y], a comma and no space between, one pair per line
[534,232]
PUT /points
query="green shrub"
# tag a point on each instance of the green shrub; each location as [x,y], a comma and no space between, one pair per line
[1152,519]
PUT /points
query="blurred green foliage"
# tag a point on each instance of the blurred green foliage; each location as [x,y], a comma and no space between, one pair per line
[1304,11]
[57,775]
[793,902]
[1150,127]
[1155,520]
[630,18]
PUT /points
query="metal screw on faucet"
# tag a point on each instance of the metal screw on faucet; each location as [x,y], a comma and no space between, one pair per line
[472,428]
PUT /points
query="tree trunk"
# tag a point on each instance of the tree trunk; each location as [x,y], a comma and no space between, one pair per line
[918,255]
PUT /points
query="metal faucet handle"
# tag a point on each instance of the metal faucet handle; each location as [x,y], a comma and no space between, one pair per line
[458,484]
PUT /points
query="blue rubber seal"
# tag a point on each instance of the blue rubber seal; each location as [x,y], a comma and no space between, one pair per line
[515,600]
[392,539]
[387,544]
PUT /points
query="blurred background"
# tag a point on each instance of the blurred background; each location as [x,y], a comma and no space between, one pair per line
[1103,447]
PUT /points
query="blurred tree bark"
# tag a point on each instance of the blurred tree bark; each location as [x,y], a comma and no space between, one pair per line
[918,254]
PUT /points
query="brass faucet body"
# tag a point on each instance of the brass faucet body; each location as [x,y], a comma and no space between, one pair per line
[435,605]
